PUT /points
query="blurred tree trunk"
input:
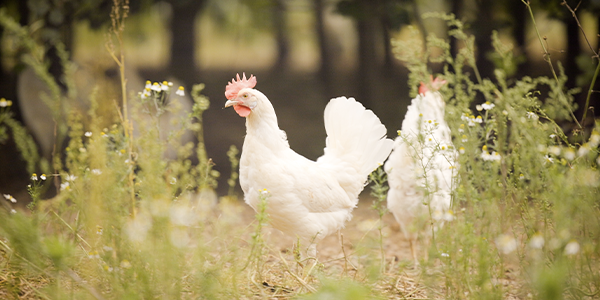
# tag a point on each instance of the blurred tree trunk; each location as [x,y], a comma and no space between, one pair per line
[573,51]
[518,29]
[183,39]
[388,55]
[483,26]
[456,8]
[325,68]
[281,34]
[368,65]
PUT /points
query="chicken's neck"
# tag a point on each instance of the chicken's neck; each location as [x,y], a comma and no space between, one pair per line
[262,126]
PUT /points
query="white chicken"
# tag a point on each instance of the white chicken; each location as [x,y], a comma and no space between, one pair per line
[422,166]
[307,199]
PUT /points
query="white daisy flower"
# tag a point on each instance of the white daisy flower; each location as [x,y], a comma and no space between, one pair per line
[572,248]
[156,87]
[164,86]
[180,91]
[506,243]
[88,134]
[569,154]
[536,241]
[584,149]
[10,198]
[554,150]
[65,186]
[532,115]
[487,105]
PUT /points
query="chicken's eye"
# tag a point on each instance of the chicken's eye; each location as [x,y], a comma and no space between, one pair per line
[245,95]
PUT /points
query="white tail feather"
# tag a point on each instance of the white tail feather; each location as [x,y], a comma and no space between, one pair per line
[355,135]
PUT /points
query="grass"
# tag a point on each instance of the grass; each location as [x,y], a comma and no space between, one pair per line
[127,224]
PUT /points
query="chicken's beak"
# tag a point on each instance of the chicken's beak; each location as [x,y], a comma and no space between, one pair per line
[231,103]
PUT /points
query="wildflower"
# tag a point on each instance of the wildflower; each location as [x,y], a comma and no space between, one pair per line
[164,86]
[65,186]
[521,176]
[584,149]
[465,117]
[594,139]
[461,128]
[487,105]
[548,159]
[70,177]
[494,156]
[569,154]
[125,264]
[137,229]
[34,177]
[96,171]
[506,243]
[461,150]
[148,85]
[532,115]
[399,133]
[536,241]
[264,192]
[552,136]
[479,107]
[554,150]
[478,120]
[99,230]
[88,134]
[504,112]
[156,87]
[10,198]
[180,91]
[464,138]
[93,254]
[445,255]
[572,248]
[173,180]
[5,103]
[448,216]
[43,177]
[145,94]
[471,121]
[12,211]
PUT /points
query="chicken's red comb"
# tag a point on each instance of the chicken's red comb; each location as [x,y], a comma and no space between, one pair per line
[435,84]
[233,87]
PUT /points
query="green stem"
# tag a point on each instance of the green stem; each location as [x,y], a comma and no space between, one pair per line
[549,61]
[590,90]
